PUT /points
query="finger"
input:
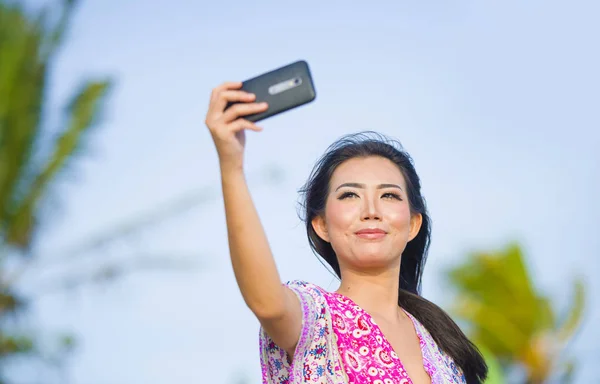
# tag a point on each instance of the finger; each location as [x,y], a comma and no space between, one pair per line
[219,104]
[240,124]
[226,86]
[239,110]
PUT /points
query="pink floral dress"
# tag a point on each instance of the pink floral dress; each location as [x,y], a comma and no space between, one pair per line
[340,343]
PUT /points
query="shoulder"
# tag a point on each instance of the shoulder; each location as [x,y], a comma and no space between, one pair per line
[312,297]
[316,356]
[302,286]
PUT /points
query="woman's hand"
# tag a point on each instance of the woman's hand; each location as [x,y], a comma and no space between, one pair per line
[227,126]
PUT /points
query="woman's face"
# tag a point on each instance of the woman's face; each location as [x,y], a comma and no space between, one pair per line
[367,216]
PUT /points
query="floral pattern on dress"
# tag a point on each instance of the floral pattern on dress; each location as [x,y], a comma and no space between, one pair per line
[341,344]
[367,355]
[316,358]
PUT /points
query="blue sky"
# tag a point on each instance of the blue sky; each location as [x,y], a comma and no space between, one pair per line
[496,101]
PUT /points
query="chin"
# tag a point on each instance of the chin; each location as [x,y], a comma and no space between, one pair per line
[372,258]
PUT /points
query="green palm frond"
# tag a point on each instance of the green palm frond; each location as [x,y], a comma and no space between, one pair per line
[572,320]
[493,328]
[22,77]
[30,163]
[26,47]
[502,279]
[82,113]
[508,316]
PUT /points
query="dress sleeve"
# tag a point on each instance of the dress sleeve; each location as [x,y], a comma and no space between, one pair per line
[313,356]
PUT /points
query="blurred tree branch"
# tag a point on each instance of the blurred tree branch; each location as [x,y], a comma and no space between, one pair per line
[123,230]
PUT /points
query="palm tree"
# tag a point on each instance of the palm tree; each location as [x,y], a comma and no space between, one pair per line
[30,161]
[26,51]
[510,318]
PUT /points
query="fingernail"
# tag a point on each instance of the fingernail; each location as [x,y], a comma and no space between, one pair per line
[263,104]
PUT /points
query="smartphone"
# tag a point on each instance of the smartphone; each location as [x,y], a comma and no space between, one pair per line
[283,89]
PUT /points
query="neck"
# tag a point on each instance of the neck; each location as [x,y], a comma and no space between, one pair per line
[375,293]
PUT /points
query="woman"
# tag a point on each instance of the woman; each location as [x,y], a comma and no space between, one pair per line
[366,217]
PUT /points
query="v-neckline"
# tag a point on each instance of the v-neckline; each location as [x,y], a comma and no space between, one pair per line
[385,340]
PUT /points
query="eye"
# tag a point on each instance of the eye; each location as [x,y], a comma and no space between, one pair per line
[346,195]
[390,195]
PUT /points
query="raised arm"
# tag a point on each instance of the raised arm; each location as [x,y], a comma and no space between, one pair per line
[276,307]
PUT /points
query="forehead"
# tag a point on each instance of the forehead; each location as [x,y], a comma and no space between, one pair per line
[367,170]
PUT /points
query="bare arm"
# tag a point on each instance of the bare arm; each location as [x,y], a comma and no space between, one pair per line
[276,307]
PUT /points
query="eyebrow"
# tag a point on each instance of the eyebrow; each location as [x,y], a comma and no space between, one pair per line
[362,186]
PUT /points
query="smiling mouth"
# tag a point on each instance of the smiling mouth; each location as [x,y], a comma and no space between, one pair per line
[371,234]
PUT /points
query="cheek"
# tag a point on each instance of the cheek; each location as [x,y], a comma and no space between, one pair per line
[399,217]
[339,216]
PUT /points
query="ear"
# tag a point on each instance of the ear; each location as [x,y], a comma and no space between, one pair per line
[415,225]
[320,227]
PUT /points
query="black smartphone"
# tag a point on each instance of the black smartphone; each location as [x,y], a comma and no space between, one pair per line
[283,89]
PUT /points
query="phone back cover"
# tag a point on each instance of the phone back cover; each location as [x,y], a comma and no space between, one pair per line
[271,88]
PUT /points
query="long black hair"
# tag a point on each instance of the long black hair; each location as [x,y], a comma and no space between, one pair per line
[442,328]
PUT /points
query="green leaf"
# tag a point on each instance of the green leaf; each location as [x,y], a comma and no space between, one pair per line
[10,345]
[57,34]
[82,113]
[9,302]
[492,327]
[497,297]
[495,278]
[495,373]
[22,84]
[569,325]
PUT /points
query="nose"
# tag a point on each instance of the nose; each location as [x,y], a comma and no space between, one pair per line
[370,209]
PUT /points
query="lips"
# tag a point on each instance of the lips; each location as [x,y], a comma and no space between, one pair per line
[371,233]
